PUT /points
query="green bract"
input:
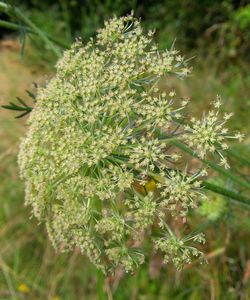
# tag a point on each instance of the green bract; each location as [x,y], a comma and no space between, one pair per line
[94,145]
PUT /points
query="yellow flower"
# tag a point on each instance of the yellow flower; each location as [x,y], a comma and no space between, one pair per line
[23,288]
[55,298]
[150,186]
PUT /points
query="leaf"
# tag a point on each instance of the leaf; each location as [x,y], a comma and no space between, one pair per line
[21,108]
[32,96]
[22,102]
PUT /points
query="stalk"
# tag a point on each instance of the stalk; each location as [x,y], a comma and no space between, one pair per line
[14,26]
[241,199]
[100,285]
[235,197]
[236,155]
[214,166]
[19,14]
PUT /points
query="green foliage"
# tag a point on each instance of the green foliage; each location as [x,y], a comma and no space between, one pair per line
[20,106]
[224,25]
[214,208]
[28,258]
[26,254]
[242,17]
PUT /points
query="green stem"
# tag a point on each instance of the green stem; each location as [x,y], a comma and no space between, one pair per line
[236,155]
[14,26]
[235,197]
[241,199]
[100,285]
[210,164]
[9,9]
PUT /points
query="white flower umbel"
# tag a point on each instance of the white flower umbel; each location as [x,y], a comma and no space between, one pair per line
[180,250]
[93,142]
[209,134]
[180,191]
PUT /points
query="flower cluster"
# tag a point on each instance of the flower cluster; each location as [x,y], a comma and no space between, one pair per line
[146,154]
[143,210]
[209,134]
[178,250]
[181,191]
[157,109]
[96,168]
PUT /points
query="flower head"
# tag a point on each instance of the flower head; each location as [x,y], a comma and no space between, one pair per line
[179,250]
[180,191]
[94,137]
[209,134]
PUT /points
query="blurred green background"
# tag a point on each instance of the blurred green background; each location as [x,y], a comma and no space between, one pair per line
[217,34]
